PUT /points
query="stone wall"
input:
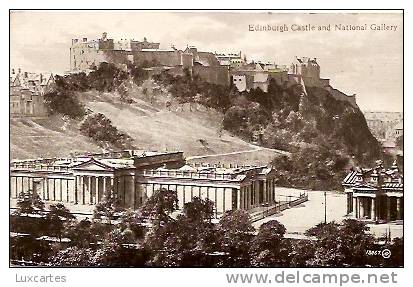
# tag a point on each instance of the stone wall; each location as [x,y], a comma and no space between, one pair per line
[218,75]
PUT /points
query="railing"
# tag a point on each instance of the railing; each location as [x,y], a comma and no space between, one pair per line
[278,207]
[38,167]
[222,165]
[187,174]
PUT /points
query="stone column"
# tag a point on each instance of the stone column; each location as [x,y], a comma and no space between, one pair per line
[216,200]
[223,198]
[47,189]
[398,206]
[104,179]
[388,209]
[112,185]
[183,193]
[256,193]
[91,187]
[61,190]
[348,203]
[264,191]
[76,189]
[238,191]
[67,190]
[83,189]
[44,180]
[133,190]
[362,207]
[243,197]
[354,207]
[246,197]
[54,189]
[373,209]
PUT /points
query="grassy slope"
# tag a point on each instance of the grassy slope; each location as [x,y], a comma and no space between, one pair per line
[148,121]
[47,138]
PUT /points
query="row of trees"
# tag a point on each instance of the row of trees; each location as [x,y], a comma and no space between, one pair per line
[158,235]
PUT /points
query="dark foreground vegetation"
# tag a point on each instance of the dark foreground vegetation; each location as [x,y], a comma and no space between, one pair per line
[157,235]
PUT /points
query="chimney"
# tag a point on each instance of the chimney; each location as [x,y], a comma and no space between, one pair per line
[25,74]
[84,39]
[74,41]
[104,35]
[41,78]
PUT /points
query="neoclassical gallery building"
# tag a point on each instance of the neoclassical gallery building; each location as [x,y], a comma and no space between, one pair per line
[135,175]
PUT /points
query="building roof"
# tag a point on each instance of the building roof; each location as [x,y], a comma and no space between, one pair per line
[34,82]
[373,178]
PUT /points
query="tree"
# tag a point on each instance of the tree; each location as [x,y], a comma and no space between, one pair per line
[269,249]
[186,241]
[340,245]
[80,233]
[56,217]
[65,102]
[29,202]
[354,241]
[132,223]
[397,253]
[73,257]
[199,210]
[235,234]
[160,205]
[100,128]
[109,208]
[302,253]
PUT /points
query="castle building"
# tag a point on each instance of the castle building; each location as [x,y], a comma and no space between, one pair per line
[307,71]
[27,93]
[134,176]
[230,60]
[257,75]
[86,55]
[375,194]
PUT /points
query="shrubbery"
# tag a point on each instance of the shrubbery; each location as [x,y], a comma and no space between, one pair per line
[100,129]
[65,102]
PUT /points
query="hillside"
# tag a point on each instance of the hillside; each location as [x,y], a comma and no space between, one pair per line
[154,120]
[52,137]
[126,108]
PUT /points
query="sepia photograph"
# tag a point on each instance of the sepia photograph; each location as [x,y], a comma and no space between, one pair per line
[206,138]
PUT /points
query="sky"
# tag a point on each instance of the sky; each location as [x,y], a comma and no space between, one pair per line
[367,63]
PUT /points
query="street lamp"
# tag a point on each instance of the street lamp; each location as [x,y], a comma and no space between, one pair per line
[325,207]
